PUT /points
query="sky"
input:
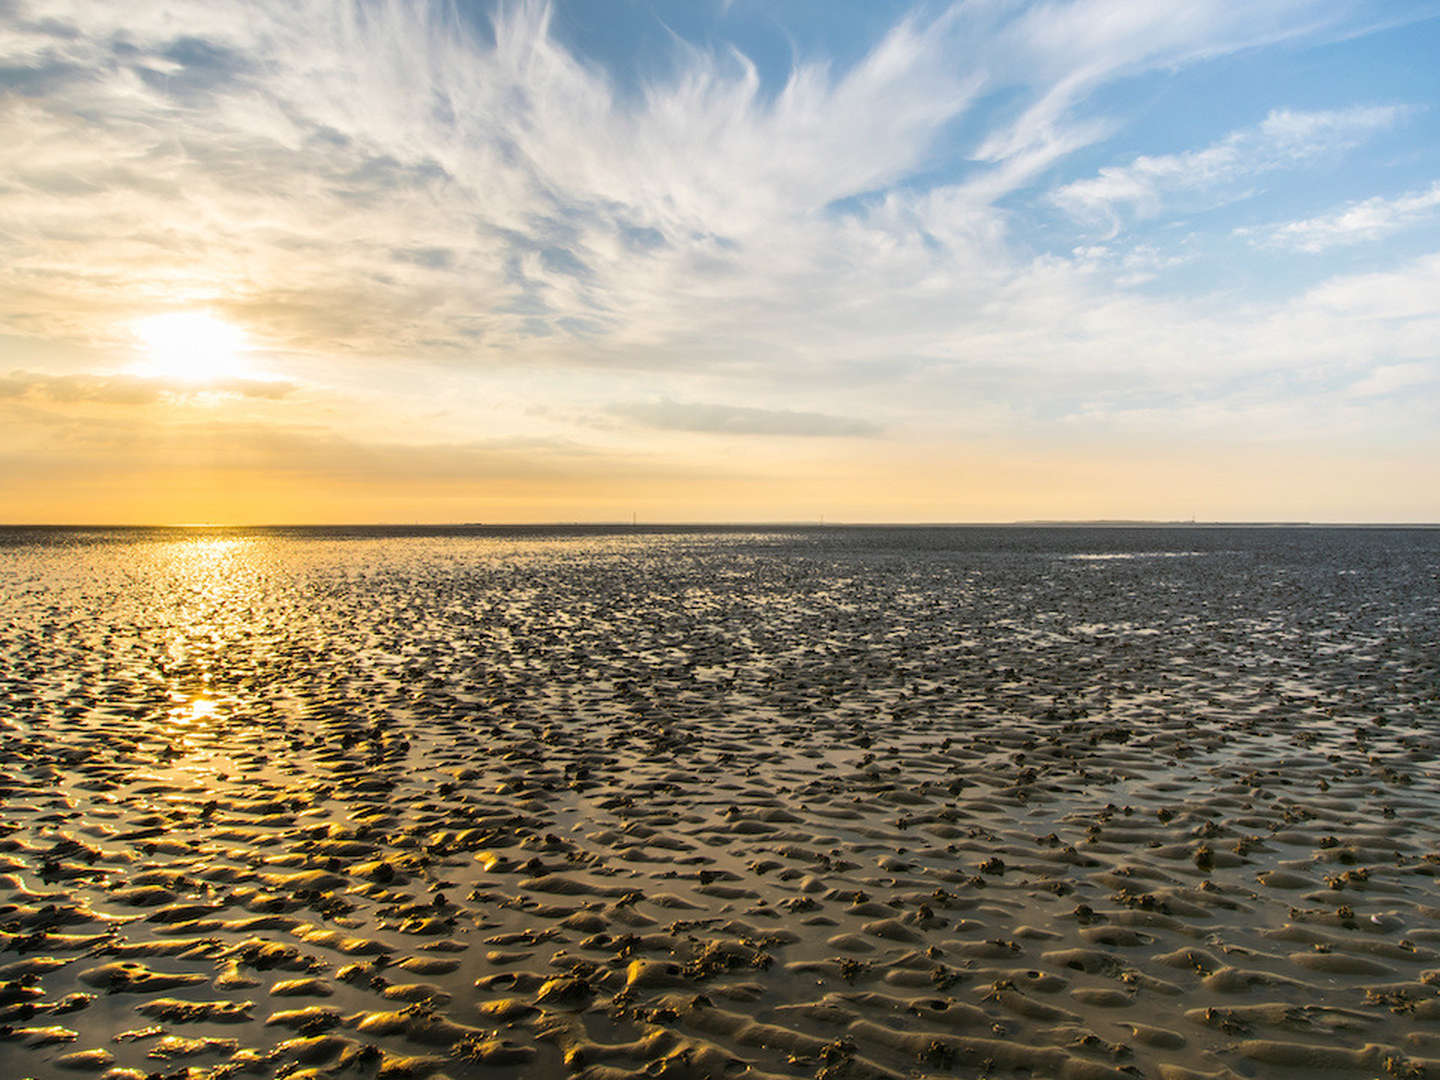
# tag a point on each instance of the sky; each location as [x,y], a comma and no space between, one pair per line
[285,261]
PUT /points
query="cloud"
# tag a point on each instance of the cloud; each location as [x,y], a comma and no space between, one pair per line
[1066,51]
[1358,223]
[1402,297]
[131,389]
[392,179]
[715,419]
[1392,378]
[1217,173]
[102,450]
[1128,266]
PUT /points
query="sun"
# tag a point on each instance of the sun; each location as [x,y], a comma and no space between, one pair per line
[191,345]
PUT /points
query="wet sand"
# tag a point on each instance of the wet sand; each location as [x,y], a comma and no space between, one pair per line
[793,804]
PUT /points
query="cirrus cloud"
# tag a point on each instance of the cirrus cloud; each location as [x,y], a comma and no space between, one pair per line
[717,419]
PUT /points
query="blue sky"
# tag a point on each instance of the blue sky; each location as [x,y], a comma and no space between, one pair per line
[742,260]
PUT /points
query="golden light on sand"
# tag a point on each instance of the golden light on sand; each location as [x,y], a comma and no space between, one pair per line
[191,345]
[198,711]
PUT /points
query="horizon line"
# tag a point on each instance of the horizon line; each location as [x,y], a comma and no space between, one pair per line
[795,523]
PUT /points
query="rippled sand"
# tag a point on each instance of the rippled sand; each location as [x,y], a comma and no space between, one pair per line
[840,803]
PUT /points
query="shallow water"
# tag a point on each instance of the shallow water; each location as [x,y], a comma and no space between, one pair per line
[1121,801]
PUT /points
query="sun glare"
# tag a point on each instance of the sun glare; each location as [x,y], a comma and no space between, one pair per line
[191,345]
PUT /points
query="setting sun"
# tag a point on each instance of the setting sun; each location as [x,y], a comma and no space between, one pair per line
[191,345]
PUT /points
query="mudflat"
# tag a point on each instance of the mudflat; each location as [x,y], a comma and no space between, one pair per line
[1079,803]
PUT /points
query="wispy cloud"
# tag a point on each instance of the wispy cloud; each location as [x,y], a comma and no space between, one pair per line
[1198,179]
[1394,378]
[390,178]
[132,389]
[1358,223]
[716,419]
[118,442]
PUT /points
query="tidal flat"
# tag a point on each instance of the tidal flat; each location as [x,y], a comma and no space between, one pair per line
[794,802]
